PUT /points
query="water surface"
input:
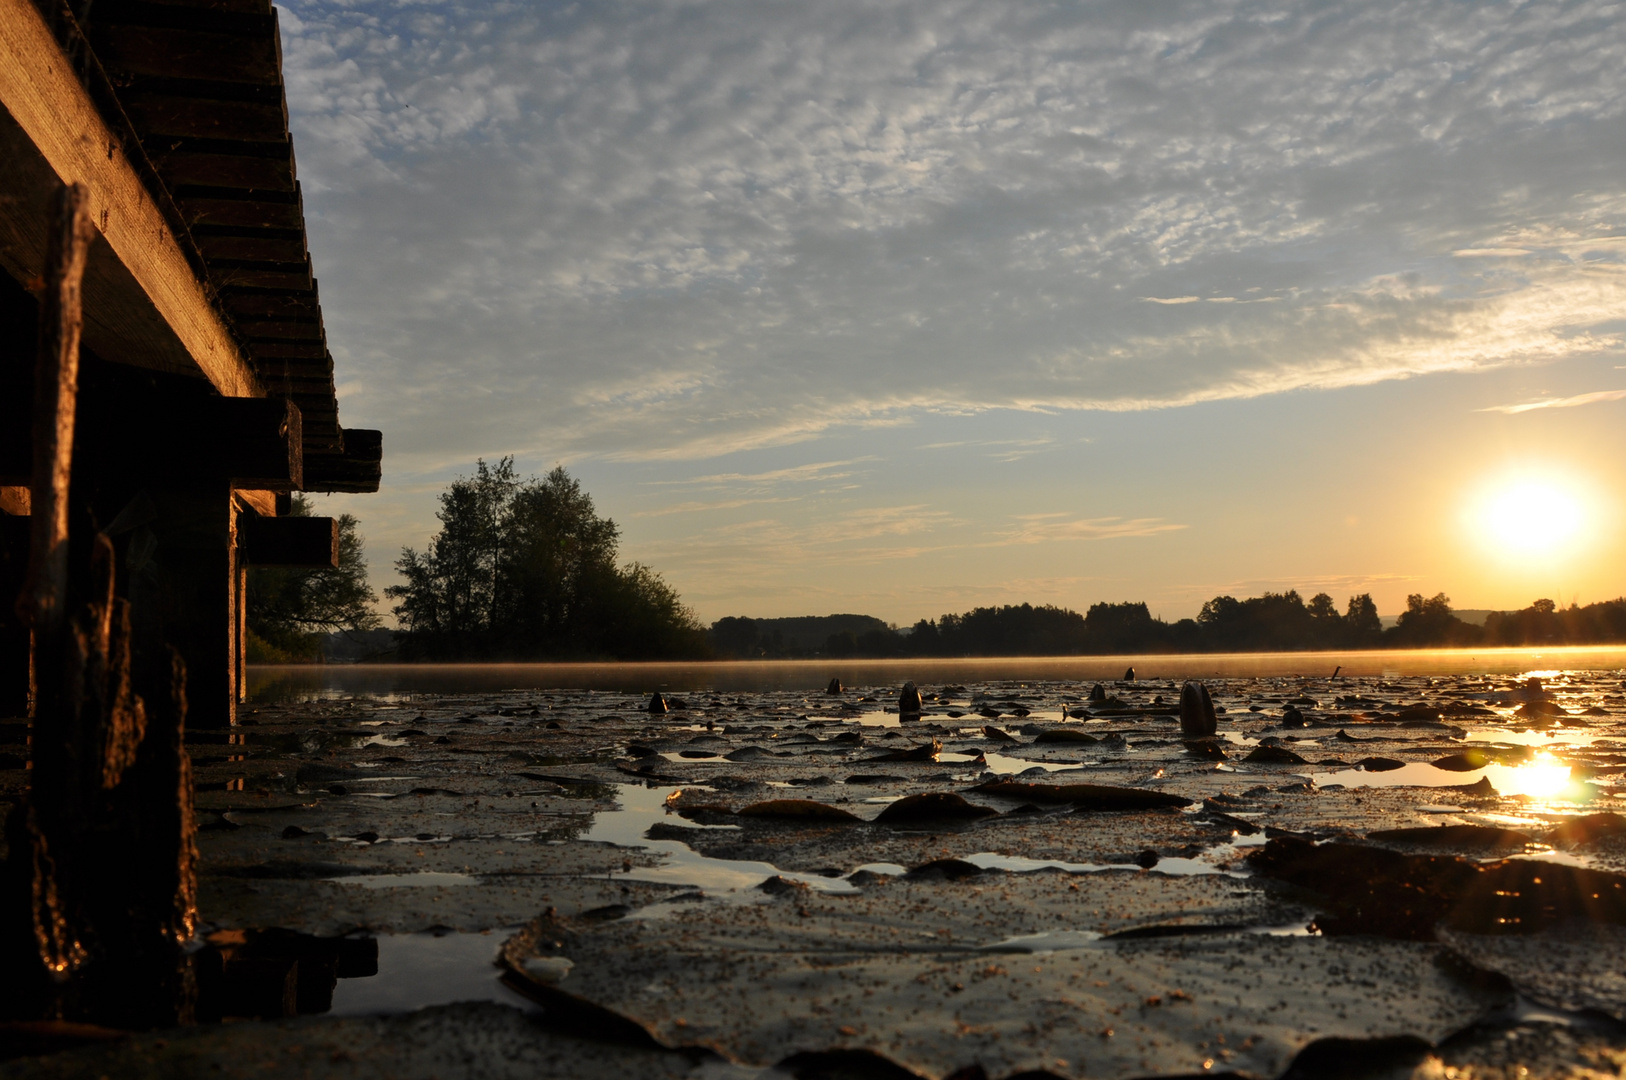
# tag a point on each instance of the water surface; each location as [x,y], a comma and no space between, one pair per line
[269,683]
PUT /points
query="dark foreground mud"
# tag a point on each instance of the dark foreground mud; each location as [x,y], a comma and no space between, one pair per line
[1356,877]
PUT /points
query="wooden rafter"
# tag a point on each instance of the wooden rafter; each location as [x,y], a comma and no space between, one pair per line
[144,303]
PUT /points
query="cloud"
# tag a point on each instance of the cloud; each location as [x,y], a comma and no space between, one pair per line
[1559,403]
[641,238]
[694,507]
[668,232]
[1045,528]
[812,472]
[1006,450]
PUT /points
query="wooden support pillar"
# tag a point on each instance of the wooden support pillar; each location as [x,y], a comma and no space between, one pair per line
[167,461]
[240,637]
[98,898]
[196,574]
[16,694]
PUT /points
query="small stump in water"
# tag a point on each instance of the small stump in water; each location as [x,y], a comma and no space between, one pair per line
[1197,718]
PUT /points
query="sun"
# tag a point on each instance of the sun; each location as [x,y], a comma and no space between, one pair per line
[1529,516]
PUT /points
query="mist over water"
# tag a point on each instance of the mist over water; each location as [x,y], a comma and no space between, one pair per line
[271,683]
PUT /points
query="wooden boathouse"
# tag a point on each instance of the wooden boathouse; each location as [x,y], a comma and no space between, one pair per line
[165,385]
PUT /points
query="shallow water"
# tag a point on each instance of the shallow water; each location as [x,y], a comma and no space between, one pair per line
[416,971]
[642,807]
[1540,779]
[268,683]
[453,787]
[422,879]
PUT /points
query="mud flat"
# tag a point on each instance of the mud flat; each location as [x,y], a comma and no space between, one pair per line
[1373,875]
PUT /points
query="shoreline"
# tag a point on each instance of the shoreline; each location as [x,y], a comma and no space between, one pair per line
[269,681]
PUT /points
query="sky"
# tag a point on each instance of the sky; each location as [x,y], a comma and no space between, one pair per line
[908,308]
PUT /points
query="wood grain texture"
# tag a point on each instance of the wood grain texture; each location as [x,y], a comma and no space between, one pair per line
[144,304]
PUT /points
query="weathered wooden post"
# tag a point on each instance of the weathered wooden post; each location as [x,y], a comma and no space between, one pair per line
[46,818]
[100,883]
[15,639]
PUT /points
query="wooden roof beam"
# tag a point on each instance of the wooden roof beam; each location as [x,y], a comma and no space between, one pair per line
[358,469]
[143,302]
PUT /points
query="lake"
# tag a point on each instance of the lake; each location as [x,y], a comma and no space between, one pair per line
[269,683]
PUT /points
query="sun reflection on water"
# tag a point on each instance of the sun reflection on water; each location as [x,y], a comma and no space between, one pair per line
[1542,777]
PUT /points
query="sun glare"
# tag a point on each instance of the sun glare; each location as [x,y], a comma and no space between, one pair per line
[1529,517]
[1543,778]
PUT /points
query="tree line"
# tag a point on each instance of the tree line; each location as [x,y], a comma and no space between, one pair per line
[520,569]
[526,569]
[1273,622]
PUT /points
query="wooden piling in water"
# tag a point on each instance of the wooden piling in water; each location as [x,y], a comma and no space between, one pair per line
[100,882]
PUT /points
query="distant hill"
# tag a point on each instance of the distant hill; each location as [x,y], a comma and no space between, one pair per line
[359,646]
[1472,616]
[797,635]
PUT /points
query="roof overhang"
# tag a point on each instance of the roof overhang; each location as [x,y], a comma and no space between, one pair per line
[144,302]
[172,115]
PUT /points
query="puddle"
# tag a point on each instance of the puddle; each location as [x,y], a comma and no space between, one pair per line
[1046,941]
[405,881]
[419,970]
[1018,864]
[1550,739]
[1542,778]
[1563,858]
[883,869]
[642,807]
[1005,765]
[1211,861]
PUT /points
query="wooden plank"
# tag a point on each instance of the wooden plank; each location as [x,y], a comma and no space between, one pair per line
[274,248]
[151,50]
[246,7]
[230,272]
[289,350]
[15,500]
[307,542]
[188,15]
[358,469]
[260,502]
[144,303]
[214,169]
[291,386]
[263,209]
[313,387]
[271,304]
[252,443]
[206,118]
[266,330]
